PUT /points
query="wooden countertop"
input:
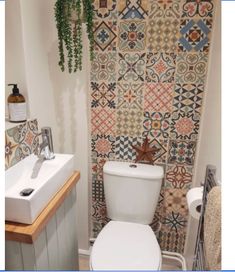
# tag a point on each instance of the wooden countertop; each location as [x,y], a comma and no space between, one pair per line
[28,233]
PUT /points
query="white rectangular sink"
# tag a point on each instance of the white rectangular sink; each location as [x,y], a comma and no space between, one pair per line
[50,179]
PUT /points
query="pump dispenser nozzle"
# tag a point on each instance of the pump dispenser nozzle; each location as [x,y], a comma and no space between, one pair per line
[15,89]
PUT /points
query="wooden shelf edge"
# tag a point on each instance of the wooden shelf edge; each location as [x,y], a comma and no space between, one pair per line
[28,233]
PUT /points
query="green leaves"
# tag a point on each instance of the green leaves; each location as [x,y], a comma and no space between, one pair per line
[88,14]
[70,31]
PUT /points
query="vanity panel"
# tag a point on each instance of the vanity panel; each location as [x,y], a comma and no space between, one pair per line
[50,243]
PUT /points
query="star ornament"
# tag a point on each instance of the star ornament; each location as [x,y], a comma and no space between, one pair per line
[145,152]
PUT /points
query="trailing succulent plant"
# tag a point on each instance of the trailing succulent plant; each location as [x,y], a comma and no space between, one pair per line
[69,16]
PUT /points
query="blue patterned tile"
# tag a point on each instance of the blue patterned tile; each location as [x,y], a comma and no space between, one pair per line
[105,35]
[195,35]
[135,9]
[181,152]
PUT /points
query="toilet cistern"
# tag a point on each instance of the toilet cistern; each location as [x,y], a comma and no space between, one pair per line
[127,242]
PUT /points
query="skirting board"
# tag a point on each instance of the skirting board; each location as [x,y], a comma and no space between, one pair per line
[84,252]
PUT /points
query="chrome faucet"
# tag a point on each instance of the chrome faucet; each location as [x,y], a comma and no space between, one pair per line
[46,150]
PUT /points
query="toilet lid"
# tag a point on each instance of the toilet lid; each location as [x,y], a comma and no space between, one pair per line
[126,246]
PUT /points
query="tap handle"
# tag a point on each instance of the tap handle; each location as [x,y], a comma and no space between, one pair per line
[46,131]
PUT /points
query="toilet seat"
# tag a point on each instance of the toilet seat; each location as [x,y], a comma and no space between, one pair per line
[126,246]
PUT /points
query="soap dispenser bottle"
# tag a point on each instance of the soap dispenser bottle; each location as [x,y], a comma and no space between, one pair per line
[16,105]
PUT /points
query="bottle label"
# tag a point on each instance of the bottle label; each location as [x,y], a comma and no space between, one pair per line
[17,112]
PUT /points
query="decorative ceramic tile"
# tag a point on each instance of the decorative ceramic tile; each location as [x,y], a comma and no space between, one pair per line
[98,163]
[129,123]
[175,221]
[133,9]
[20,141]
[160,67]
[132,37]
[178,176]
[202,8]
[102,146]
[194,35]
[158,97]
[124,149]
[175,201]
[99,212]
[103,67]
[184,126]
[181,152]
[105,35]
[11,147]
[172,241]
[98,190]
[103,121]
[130,95]
[165,9]
[28,138]
[131,67]
[188,97]
[173,232]
[156,52]
[163,35]
[156,124]
[161,144]
[103,95]
[105,9]
[191,68]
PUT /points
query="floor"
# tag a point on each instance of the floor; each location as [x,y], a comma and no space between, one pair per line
[84,264]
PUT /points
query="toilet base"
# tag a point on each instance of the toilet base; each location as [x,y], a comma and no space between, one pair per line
[126,246]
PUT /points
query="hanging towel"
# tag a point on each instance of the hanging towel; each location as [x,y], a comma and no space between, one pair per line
[212,229]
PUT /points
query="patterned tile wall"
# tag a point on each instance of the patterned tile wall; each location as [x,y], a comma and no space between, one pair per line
[20,141]
[147,80]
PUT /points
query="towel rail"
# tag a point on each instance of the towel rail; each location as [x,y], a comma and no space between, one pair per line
[209,183]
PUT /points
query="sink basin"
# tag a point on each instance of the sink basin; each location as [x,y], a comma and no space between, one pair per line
[51,177]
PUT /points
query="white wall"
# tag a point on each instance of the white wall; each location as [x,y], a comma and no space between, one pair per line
[209,147]
[14,57]
[56,99]
[209,144]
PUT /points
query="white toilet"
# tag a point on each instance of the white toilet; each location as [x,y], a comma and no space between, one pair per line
[127,242]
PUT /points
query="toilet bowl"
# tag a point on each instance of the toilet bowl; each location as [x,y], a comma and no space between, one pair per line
[126,246]
[127,242]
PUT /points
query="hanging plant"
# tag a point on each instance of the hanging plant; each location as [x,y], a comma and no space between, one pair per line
[69,16]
